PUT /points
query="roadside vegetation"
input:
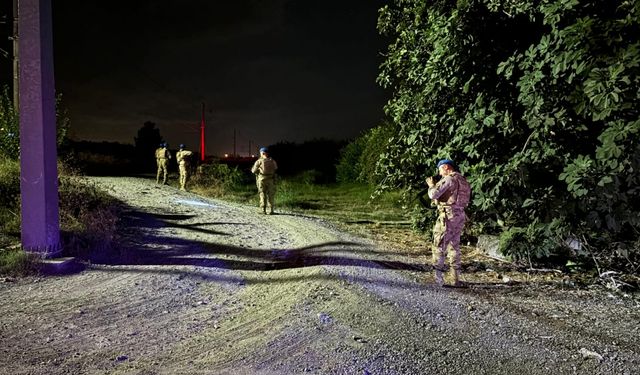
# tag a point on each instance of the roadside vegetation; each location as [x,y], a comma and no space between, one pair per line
[87,215]
[538,104]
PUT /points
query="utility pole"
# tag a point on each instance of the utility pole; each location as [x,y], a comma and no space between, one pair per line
[40,226]
[234,143]
[202,134]
[16,76]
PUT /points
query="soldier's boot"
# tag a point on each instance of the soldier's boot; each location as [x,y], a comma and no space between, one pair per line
[270,210]
[263,210]
[455,278]
[439,278]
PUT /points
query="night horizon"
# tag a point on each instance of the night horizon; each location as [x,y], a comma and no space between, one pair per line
[283,71]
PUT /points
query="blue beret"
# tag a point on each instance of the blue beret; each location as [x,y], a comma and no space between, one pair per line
[263,149]
[181,145]
[445,161]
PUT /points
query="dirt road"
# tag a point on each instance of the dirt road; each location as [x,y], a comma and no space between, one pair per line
[206,287]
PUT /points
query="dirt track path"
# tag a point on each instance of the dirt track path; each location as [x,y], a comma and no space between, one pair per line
[202,286]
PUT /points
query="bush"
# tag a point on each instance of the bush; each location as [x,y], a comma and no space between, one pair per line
[348,169]
[216,179]
[9,182]
[359,159]
[88,218]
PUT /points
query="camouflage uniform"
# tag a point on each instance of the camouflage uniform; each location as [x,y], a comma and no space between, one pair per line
[451,194]
[265,171]
[162,160]
[184,160]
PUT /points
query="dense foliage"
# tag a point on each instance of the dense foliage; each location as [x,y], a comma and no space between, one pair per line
[358,159]
[537,101]
[10,125]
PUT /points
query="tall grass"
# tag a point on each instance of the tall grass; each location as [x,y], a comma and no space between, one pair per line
[88,219]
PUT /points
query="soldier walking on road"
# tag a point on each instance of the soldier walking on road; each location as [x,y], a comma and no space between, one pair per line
[265,170]
[451,195]
[183,156]
[162,160]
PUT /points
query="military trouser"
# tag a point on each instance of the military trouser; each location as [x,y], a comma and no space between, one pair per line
[183,167]
[446,232]
[267,192]
[162,170]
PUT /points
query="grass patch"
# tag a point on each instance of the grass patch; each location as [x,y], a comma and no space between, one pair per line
[342,202]
[346,203]
[88,219]
[17,263]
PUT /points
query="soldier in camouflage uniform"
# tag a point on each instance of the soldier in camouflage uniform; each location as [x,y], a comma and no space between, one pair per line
[451,195]
[265,170]
[183,156]
[162,160]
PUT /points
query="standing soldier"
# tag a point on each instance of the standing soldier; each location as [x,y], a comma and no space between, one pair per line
[451,195]
[265,170]
[162,159]
[183,156]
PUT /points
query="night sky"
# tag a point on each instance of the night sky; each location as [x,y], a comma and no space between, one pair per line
[279,70]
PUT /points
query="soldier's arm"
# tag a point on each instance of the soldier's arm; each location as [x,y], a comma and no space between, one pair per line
[440,188]
[255,167]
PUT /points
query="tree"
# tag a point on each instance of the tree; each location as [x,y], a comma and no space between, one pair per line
[146,142]
[536,100]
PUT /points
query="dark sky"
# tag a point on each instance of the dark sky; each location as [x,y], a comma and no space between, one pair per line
[272,69]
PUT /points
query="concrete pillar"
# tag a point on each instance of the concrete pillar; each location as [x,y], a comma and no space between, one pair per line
[38,156]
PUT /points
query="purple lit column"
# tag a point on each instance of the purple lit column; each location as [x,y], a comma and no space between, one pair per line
[38,158]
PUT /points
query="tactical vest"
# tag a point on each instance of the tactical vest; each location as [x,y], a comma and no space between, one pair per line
[161,153]
[463,195]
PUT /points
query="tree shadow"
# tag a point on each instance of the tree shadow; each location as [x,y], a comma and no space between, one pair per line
[144,246]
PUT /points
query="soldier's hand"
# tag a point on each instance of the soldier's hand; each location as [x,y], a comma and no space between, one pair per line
[430,181]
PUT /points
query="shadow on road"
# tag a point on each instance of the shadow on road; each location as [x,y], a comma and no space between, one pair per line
[142,246]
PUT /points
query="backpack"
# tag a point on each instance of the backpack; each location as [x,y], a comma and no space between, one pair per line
[268,167]
[464,191]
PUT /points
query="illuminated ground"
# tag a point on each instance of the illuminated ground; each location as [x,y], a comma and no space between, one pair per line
[205,287]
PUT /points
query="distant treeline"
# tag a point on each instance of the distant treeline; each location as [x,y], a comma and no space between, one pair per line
[318,155]
[112,158]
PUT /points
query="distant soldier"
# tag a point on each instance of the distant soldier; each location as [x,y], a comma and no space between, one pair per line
[162,160]
[265,171]
[183,156]
[451,195]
